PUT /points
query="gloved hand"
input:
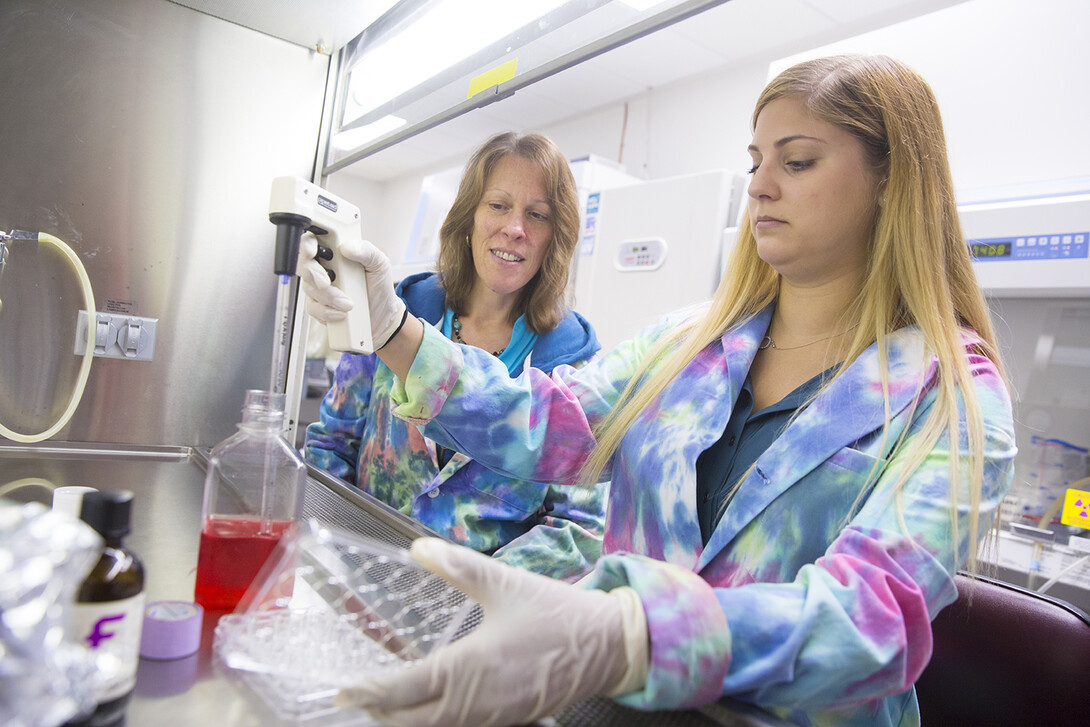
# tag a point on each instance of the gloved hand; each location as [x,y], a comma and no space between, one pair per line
[542,645]
[328,303]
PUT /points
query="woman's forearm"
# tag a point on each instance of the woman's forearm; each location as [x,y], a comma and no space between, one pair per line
[400,351]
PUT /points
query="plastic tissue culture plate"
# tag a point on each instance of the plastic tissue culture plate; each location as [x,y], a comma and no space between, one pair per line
[329,608]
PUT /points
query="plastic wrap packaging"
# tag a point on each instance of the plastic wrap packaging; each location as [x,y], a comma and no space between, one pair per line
[45,678]
[328,608]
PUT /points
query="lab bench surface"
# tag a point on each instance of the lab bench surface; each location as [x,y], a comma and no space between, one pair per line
[168,487]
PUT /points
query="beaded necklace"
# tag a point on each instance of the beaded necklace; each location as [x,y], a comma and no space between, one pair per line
[456,329]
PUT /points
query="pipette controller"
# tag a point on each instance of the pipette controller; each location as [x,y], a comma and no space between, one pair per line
[297,206]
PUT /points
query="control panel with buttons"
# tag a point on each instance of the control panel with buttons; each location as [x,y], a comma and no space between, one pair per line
[1063,246]
[640,255]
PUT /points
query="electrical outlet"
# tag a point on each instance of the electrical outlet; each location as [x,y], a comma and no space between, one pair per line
[118,336]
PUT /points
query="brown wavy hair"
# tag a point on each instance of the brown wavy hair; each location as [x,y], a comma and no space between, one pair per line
[543,301]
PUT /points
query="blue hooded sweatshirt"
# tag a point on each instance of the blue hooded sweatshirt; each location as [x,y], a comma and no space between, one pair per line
[556,531]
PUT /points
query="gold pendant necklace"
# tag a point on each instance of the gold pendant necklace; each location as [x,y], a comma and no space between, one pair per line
[769,342]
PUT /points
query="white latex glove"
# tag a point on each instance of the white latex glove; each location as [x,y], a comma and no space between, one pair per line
[328,303]
[542,645]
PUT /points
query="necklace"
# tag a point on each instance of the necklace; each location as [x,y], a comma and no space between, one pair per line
[456,329]
[768,342]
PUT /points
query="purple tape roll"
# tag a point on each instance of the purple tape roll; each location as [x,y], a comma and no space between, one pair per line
[172,629]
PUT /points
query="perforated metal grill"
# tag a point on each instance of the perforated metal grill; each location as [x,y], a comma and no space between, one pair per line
[601,712]
[366,515]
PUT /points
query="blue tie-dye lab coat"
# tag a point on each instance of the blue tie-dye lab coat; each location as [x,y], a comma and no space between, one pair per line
[555,531]
[811,599]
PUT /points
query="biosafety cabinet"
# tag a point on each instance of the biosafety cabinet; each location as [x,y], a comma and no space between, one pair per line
[145,135]
[1031,257]
[139,135]
[1032,247]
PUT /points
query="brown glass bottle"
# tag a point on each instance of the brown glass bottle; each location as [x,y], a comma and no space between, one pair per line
[108,614]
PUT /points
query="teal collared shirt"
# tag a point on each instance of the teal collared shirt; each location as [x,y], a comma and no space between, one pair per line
[747,435]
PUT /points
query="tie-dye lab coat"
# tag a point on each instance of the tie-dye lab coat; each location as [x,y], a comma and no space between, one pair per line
[809,599]
[555,531]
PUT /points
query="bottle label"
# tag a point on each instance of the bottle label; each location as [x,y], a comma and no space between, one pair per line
[112,631]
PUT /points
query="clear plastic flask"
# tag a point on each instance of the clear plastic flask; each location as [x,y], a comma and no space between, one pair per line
[253,496]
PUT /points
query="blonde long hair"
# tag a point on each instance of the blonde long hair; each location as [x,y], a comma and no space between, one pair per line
[919,270]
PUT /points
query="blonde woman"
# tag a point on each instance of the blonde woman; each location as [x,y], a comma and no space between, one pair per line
[798,468]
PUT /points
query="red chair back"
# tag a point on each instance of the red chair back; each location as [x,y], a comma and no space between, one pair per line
[1007,656]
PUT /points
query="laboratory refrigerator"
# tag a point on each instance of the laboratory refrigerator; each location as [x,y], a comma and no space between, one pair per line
[651,248]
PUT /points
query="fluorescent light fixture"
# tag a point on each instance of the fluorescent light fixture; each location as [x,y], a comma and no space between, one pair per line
[640,5]
[355,138]
[451,31]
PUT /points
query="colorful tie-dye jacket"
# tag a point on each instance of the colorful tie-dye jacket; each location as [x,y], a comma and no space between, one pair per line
[556,531]
[810,598]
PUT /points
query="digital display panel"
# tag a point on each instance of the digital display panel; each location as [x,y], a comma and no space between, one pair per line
[1052,246]
[990,249]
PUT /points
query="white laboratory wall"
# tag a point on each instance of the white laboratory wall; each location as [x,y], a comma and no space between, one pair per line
[380,207]
[606,133]
[1011,78]
[686,127]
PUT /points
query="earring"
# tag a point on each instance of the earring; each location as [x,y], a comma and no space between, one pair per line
[467,239]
